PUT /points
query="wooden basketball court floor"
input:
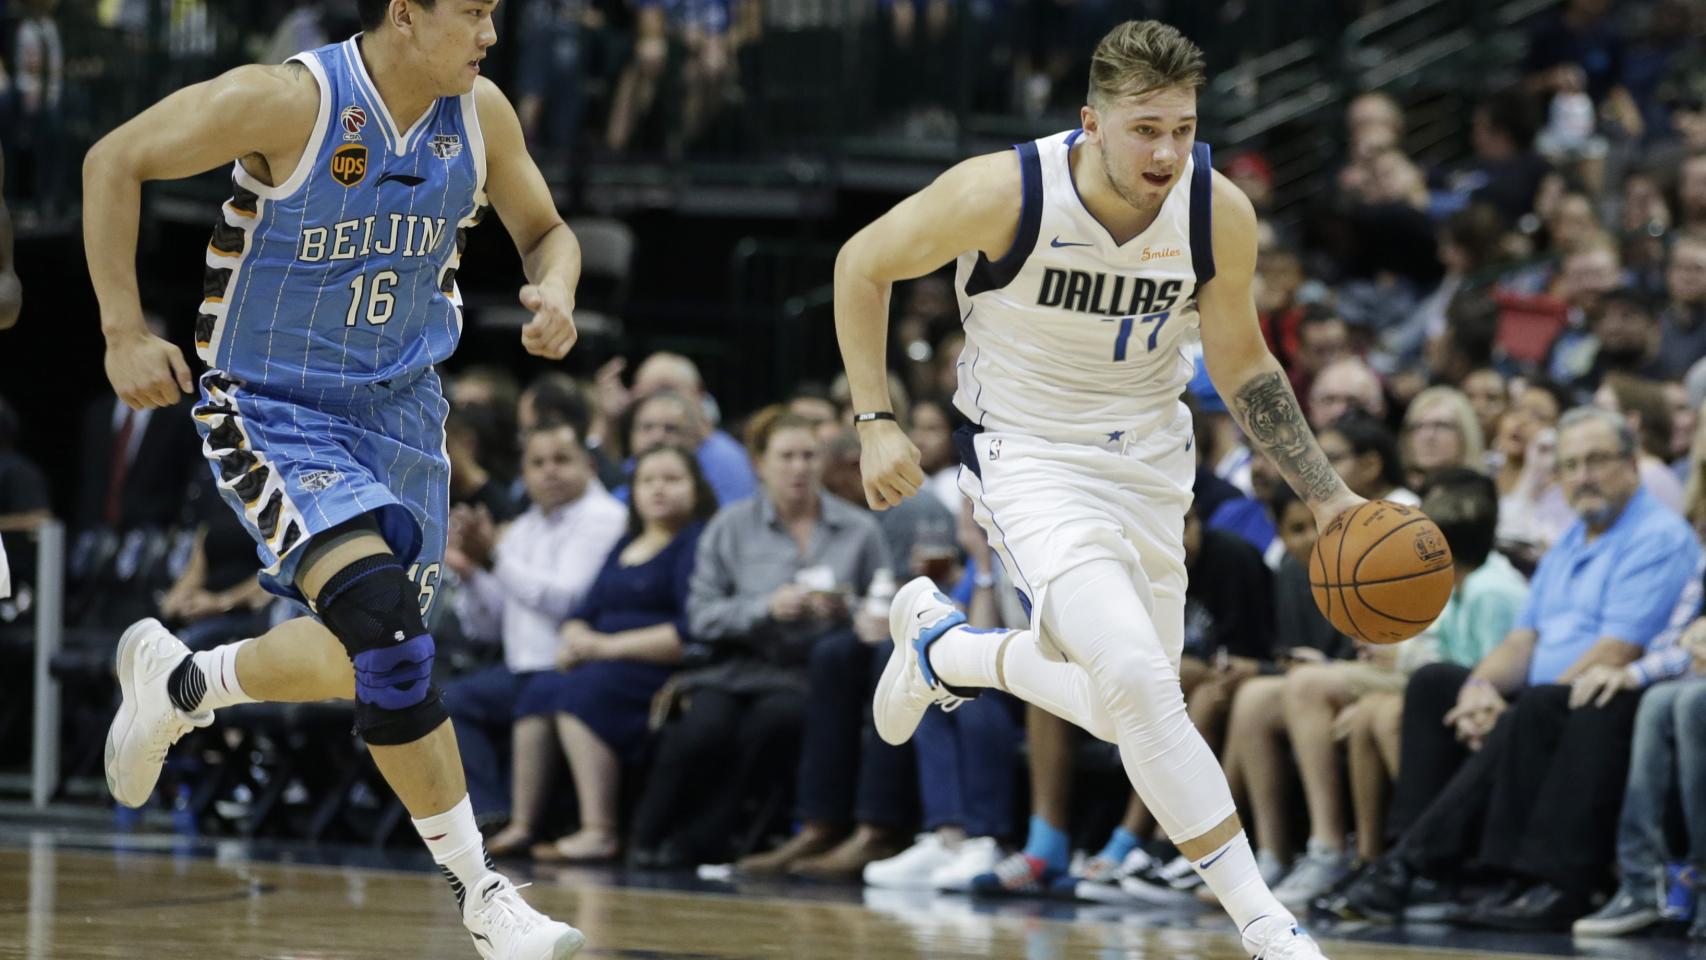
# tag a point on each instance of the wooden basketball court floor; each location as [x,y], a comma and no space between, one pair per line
[82,895]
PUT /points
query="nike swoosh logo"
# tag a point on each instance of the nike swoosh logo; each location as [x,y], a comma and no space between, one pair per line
[405,179]
[481,936]
[1056,242]
[1210,861]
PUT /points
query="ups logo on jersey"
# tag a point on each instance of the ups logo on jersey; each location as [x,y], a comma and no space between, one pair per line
[349,164]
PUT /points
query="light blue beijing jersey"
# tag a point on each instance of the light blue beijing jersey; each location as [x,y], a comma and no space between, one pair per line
[328,298]
[344,274]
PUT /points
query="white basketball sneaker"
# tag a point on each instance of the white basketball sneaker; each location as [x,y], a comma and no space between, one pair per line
[504,927]
[917,617]
[147,723]
[1280,938]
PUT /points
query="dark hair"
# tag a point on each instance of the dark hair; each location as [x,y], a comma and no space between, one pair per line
[557,398]
[1464,503]
[1368,435]
[372,12]
[1315,315]
[1515,114]
[766,423]
[1479,229]
[1560,394]
[1632,297]
[1645,398]
[547,425]
[1472,327]
[704,499]
[481,424]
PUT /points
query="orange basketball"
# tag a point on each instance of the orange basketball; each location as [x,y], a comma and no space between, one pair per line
[1381,572]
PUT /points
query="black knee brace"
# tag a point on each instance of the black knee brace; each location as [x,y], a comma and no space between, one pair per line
[375,612]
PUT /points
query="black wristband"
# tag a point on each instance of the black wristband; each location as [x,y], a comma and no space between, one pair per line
[874,415]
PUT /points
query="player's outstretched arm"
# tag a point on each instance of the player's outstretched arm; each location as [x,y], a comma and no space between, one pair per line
[549,252]
[1244,371]
[11,291]
[973,206]
[264,112]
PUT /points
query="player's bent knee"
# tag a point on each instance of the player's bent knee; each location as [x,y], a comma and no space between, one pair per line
[374,611]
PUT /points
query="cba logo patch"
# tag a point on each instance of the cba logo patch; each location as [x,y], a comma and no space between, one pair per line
[349,164]
[353,119]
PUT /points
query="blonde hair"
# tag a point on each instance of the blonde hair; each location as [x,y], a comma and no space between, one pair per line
[1142,56]
[1694,491]
[1473,445]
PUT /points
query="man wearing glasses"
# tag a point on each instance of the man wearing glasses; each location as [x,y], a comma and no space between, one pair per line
[1519,763]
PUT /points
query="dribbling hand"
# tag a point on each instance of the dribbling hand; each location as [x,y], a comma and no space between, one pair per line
[146,371]
[551,332]
[888,463]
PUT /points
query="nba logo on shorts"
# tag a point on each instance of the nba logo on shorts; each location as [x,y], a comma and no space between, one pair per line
[445,145]
[316,481]
[353,119]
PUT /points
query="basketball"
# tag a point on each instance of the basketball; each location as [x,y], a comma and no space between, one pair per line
[1381,572]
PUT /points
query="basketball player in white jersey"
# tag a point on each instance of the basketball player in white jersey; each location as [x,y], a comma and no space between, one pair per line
[1086,262]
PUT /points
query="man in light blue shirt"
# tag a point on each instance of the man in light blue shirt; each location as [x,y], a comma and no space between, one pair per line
[1525,774]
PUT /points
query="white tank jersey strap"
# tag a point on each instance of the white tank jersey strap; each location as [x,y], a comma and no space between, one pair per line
[1072,335]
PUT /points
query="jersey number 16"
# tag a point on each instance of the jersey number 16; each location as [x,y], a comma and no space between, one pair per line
[380,300]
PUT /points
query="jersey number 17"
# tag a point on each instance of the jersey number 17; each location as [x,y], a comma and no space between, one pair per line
[1128,324]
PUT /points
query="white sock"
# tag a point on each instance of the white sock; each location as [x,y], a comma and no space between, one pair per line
[1231,873]
[219,667]
[964,657]
[456,846]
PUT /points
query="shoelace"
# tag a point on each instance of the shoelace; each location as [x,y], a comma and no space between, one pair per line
[513,913]
[172,727]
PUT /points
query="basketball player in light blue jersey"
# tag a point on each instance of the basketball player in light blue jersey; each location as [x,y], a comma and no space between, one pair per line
[1088,261]
[329,293]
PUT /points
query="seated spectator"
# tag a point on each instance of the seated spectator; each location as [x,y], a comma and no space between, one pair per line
[1532,511]
[1323,339]
[1587,274]
[1220,442]
[472,440]
[967,760]
[919,531]
[1471,248]
[1440,431]
[217,598]
[771,585]
[1643,404]
[1670,741]
[556,397]
[664,417]
[1682,321]
[622,645]
[934,420]
[519,588]
[1527,767]
[1254,755]
[1489,396]
[1626,336]
[722,458]
[1342,386]
[1358,704]
[1365,454]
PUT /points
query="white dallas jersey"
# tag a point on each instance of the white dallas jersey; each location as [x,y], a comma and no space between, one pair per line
[1070,334]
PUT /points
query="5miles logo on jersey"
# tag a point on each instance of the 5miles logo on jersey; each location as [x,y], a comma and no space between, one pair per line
[349,164]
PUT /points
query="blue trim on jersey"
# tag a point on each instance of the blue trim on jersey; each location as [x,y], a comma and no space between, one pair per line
[988,276]
[1202,234]
[1072,137]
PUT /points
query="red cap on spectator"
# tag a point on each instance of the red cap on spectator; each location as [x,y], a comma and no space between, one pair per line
[1252,165]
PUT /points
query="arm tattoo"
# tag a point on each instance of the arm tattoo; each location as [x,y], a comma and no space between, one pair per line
[1276,427]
